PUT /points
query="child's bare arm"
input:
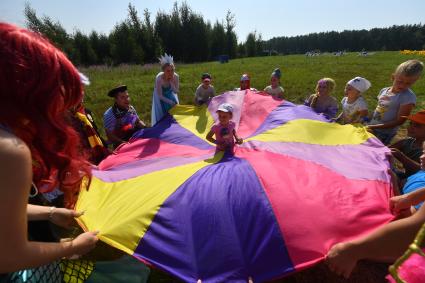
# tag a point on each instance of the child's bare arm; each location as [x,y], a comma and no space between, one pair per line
[403,111]
[210,137]
[339,117]
[383,244]
[238,139]
[395,182]
[397,145]
[407,162]
[399,203]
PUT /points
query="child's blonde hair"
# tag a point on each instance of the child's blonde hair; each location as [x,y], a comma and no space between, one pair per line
[330,84]
[409,68]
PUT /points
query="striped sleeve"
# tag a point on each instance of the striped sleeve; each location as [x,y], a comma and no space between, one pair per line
[109,120]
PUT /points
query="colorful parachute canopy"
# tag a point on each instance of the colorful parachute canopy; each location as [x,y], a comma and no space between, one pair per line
[297,185]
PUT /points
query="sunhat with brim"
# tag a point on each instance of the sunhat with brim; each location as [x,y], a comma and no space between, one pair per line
[359,83]
[418,117]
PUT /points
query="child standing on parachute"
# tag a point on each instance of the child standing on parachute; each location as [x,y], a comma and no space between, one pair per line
[354,106]
[224,131]
[321,101]
[274,89]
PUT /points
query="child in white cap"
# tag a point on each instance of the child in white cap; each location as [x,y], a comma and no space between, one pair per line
[224,130]
[354,106]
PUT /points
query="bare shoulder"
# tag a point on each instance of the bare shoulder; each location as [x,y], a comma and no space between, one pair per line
[12,149]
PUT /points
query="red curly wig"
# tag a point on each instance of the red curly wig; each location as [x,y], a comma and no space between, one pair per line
[38,84]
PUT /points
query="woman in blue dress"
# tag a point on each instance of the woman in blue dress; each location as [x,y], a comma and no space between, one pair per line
[166,89]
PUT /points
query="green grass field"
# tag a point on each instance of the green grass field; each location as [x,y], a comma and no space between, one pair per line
[299,77]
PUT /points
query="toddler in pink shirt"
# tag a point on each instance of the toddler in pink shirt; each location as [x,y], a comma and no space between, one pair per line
[224,131]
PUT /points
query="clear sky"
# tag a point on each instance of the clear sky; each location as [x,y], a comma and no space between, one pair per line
[271,18]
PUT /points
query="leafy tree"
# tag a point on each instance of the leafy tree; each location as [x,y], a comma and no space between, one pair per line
[231,38]
[124,48]
[101,47]
[84,53]
[152,45]
[241,50]
[253,44]
[50,29]
[218,36]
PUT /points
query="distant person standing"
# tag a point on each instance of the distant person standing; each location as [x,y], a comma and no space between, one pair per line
[165,93]
[395,102]
[205,91]
[121,120]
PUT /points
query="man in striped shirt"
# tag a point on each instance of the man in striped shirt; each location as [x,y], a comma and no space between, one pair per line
[121,120]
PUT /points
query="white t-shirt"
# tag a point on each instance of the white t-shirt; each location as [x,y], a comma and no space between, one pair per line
[350,111]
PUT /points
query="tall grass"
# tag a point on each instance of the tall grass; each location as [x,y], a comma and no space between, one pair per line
[299,77]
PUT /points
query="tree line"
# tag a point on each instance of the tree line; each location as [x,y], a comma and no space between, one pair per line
[189,38]
[138,40]
[392,38]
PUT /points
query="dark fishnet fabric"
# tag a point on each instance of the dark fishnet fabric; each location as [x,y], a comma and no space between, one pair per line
[44,274]
[65,271]
[76,271]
